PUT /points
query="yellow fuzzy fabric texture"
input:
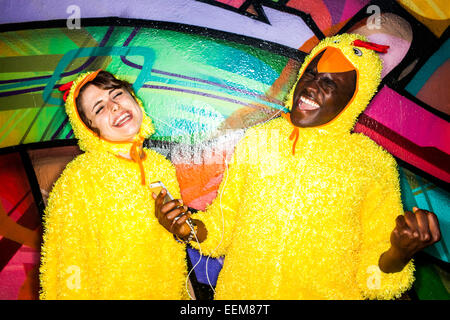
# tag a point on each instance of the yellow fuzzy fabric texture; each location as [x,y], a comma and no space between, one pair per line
[101,237]
[311,225]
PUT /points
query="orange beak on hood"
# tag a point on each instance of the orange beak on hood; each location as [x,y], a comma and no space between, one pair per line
[87,79]
[333,61]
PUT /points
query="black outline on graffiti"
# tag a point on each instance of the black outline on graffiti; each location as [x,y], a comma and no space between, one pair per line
[261,15]
[164,25]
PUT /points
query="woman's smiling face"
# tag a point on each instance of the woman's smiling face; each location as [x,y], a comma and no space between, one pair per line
[114,112]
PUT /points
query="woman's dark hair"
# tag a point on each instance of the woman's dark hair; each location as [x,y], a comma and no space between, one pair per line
[104,80]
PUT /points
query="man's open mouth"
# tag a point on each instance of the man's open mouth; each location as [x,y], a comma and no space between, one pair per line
[306,104]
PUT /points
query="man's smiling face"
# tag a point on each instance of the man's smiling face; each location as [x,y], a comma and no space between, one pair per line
[320,96]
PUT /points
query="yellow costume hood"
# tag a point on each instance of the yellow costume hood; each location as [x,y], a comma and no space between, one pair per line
[342,54]
[87,139]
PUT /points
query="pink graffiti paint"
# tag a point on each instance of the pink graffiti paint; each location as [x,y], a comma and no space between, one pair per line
[398,48]
[317,9]
[403,153]
[408,131]
[233,3]
[352,7]
[409,120]
[15,273]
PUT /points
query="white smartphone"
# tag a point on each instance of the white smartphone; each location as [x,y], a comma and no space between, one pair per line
[157,187]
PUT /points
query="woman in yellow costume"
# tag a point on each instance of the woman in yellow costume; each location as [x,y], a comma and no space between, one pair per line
[307,209]
[101,238]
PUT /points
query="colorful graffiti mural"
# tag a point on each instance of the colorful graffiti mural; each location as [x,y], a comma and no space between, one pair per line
[206,71]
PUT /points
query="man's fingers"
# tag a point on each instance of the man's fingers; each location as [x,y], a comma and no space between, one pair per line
[180,227]
[160,198]
[158,203]
[169,206]
[422,222]
[176,212]
[411,221]
[433,223]
[401,225]
[183,219]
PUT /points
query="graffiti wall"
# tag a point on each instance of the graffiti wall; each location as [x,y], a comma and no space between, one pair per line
[206,71]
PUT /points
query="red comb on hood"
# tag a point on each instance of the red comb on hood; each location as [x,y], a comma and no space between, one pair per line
[370,45]
[65,87]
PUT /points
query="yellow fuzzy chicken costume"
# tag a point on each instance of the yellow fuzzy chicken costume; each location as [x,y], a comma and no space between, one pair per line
[101,237]
[309,225]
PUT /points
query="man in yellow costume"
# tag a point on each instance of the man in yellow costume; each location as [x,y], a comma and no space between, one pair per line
[101,239]
[307,209]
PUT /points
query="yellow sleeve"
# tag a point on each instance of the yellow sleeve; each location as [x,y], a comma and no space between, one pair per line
[221,215]
[64,270]
[378,213]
